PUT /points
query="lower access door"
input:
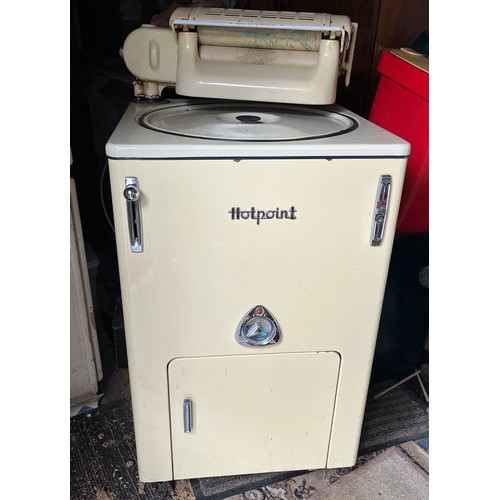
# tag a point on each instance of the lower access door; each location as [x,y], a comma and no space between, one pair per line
[256,413]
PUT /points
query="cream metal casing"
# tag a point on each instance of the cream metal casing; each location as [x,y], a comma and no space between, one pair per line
[293,405]
[291,57]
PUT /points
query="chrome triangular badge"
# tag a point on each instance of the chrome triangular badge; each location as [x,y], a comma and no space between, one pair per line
[258,328]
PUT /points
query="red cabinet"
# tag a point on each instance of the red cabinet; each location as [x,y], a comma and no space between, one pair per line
[401,106]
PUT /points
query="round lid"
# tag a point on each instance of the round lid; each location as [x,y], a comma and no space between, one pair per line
[247,121]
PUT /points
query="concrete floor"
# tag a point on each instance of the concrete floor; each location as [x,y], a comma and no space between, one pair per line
[398,473]
[391,475]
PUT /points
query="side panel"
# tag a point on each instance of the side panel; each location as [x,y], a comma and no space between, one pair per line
[252,413]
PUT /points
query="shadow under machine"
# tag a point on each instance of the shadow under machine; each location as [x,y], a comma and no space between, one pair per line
[254,224]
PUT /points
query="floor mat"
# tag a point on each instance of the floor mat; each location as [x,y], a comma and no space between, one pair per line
[218,488]
[103,461]
[396,417]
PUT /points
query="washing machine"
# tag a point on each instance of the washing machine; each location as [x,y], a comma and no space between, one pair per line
[253,242]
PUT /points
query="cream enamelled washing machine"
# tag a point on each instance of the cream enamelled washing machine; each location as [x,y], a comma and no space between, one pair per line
[254,241]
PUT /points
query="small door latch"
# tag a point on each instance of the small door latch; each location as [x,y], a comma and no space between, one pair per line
[188,415]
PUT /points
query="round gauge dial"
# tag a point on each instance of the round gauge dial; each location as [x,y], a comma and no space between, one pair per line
[258,328]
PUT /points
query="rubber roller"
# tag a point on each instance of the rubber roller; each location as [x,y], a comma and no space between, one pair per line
[262,38]
[244,55]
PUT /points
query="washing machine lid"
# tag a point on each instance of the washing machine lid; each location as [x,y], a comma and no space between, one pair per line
[239,129]
[247,122]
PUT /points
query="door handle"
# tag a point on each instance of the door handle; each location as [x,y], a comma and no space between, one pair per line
[381,209]
[133,195]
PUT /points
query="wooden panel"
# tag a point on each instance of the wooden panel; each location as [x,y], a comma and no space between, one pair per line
[400,23]
[85,361]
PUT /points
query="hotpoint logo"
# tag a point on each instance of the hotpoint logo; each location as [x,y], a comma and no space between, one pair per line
[258,215]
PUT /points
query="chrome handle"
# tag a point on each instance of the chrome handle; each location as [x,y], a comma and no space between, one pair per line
[188,415]
[132,195]
[381,208]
